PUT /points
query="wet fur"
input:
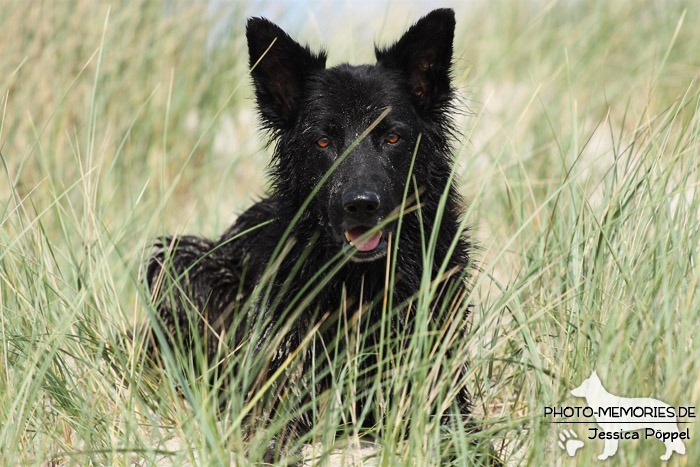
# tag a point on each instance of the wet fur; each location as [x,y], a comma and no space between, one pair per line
[201,287]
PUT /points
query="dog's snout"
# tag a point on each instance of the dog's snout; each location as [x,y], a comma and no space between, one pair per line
[360,203]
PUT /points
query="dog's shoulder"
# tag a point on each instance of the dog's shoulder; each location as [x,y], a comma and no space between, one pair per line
[254,219]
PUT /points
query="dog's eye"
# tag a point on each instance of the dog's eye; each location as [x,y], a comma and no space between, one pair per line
[323,142]
[392,138]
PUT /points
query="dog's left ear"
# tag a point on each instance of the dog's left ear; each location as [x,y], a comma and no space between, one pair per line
[280,67]
[424,55]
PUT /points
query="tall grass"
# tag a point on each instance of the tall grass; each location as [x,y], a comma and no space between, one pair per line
[579,161]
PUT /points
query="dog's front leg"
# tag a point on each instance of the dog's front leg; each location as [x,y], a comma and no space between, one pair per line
[609,449]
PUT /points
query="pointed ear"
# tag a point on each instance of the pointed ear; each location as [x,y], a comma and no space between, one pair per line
[279,66]
[424,56]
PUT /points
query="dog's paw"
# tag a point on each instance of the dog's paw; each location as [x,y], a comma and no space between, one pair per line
[569,442]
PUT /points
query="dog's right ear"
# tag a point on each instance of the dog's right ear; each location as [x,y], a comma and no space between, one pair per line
[424,56]
[279,66]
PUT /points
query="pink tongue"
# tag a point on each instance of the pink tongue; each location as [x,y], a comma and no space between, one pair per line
[367,244]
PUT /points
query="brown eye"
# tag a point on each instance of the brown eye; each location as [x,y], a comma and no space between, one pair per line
[392,138]
[323,142]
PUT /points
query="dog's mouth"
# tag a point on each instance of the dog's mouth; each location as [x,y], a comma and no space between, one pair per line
[364,244]
[358,238]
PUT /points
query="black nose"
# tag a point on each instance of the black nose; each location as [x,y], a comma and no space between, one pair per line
[360,203]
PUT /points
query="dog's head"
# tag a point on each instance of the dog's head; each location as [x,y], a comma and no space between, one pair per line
[590,386]
[347,137]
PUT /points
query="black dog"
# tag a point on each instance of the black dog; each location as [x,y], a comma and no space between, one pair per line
[361,180]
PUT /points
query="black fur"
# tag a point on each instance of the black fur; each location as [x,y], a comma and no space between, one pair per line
[303,105]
